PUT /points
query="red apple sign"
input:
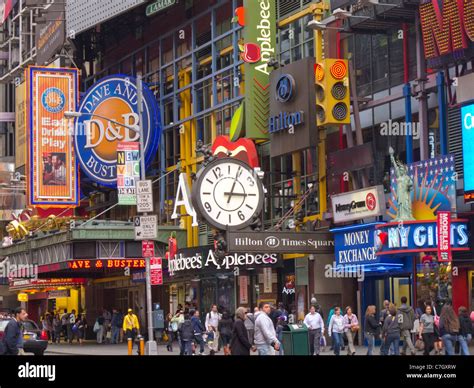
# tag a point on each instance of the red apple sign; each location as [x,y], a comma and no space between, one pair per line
[242,149]
[252,53]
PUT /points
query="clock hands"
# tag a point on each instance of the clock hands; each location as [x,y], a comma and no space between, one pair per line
[233,186]
[237,194]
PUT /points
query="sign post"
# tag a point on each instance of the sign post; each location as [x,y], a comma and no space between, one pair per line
[151,346]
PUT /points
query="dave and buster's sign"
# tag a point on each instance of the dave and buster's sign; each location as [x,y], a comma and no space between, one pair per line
[110,101]
[402,238]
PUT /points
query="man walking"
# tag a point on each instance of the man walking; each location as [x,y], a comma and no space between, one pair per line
[199,331]
[131,326]
[212,322]
[12,336]
[315,324]
[265,336]
[406,319]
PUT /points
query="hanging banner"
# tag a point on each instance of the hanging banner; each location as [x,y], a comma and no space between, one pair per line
[258,47]
[20,125]
[243,289]
[53,178]
[128,172]
[444,236]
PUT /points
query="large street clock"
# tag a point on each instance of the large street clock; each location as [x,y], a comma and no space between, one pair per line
[228,194]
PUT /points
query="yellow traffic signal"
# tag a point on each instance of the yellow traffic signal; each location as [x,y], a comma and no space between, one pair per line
[332,92]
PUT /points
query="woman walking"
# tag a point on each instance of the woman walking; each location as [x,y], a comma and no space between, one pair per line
[427,330]
[335,329]
[81,328]
[351,327]
[371,328]
[239,343]
[465,331]
[391,332]
[448,328]
[57,328]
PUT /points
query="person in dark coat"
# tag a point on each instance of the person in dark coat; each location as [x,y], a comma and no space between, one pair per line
[186,332]
[12,335]
[240,344]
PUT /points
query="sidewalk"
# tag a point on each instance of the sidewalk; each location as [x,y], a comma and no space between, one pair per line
[91,348]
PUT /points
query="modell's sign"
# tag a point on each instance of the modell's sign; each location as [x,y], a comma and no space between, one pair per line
[188,259]
[109,116]
[448,30]
[358,204]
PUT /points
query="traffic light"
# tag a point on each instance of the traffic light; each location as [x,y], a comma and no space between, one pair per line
[332,92]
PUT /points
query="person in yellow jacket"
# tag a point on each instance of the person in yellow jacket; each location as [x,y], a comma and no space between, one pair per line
[131,326]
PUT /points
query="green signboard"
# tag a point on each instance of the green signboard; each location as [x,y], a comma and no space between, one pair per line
[259,46]
[159,6]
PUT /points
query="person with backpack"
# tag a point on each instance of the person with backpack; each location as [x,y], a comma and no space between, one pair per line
[224,327]
[186,333]
[406,319]
[351,327]
[391,332]
[371,328]
[199,331]
[465,331]
[174,325]
[212,322]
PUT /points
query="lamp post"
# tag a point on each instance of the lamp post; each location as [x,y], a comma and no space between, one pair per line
[151,346]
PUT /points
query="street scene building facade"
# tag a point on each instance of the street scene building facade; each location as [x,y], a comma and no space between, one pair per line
[172,155]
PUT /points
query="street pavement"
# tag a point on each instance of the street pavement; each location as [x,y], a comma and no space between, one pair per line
[91,348]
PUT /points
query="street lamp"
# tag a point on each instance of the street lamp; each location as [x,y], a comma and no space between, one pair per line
[319,26]
[151,346]
[342,14]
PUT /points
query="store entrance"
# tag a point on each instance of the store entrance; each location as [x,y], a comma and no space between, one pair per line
[377,289]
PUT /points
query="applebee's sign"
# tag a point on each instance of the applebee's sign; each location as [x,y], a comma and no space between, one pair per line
[203,259]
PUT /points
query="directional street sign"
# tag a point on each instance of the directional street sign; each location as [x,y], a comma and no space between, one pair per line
[145,196]
[145,227]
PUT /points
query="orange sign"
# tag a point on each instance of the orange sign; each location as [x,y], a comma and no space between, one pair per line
[53,178]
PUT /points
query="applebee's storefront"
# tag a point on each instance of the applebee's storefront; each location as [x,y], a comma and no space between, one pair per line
[197,276]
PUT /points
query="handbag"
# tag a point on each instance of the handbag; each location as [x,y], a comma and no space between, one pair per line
[96,327]
[355,328]
[419,344]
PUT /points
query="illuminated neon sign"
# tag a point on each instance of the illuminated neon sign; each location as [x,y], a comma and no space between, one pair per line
[448,30]
[107,264]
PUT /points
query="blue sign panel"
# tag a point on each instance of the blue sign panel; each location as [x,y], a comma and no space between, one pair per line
[415,236]
[467,125]
[355,245]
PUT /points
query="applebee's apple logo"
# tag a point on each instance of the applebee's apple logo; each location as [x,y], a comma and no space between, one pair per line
[250,52]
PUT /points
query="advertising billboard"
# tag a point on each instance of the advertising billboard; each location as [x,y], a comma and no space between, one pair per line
[467,127]
[53,178]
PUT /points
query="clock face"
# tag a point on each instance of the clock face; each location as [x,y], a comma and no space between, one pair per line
[228,194]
